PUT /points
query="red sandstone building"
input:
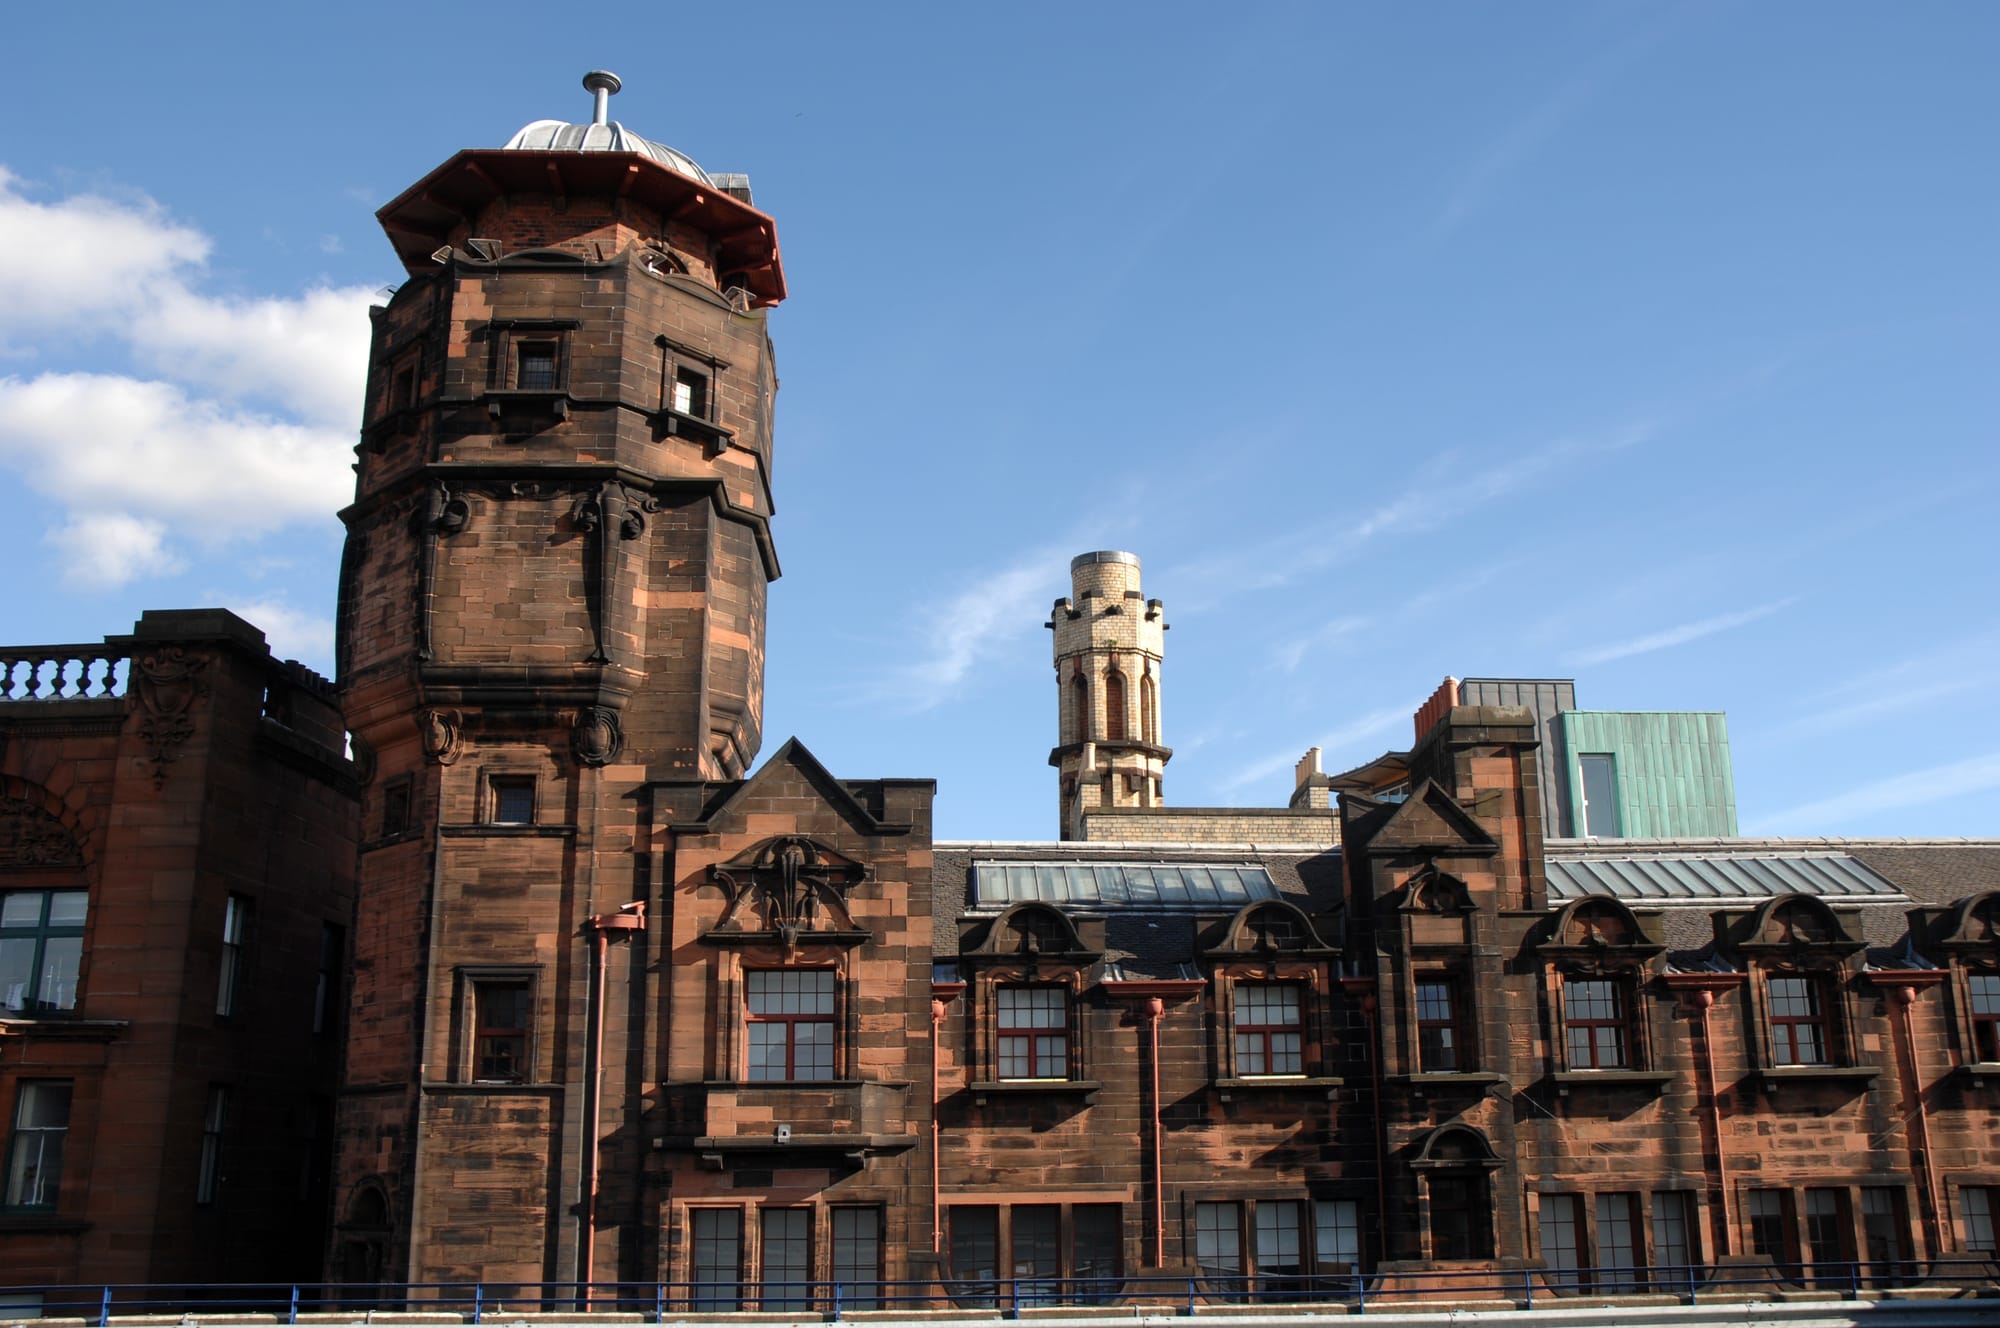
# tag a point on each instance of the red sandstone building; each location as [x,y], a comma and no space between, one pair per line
[176,823]
[628,1007]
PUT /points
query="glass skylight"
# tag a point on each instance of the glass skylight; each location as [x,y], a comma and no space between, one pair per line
[1143,885]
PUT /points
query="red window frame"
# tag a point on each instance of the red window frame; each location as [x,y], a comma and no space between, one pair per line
[1446,1054]
[1982,990]
[1586,1001]
[791,1020]
[1255,1037]
[1014,1039]
[1802,1034]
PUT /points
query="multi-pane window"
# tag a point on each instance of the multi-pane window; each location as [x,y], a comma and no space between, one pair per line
[1798,1022]
[208,1181]
[1562,1238]
[1336,1234]
[1600,795]
[502,1011]
[1885,1231]
[536,366]
[41,949]
[690,393]
[1094,1241]
[1673,1229]
[1438,1049]
[1826,1228]
[1218,1238]
[1280,1244]
[1619,1249]
[1033,1032]
[35,1152]
[1268,1039]
[1461,1216]
[1983,991]
[857,1256]
[716,1235]
[975,1244]
[1976,1205]
[787,1247]
[1594,1023]
[791,1024]
[511,800]
[235,933]
[1037,1251]
[1771,1225]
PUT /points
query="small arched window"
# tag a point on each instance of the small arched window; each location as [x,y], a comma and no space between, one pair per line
[1149,712]
[1114,706]
[1079,708]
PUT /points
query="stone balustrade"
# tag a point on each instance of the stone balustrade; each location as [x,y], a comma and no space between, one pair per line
[63,673]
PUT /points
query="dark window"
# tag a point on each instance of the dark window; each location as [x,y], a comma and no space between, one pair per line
[1438,1032]
[1886,1232]
[791,1024]
[787,1249]
[1281,1245]
[690,393]
[1095,1239]
[1079,708]
[1673,1231]
[1976,1206]
[717,1258]
[208,1183]
[1337,1234]
[512,800]
[1984,991]
[41,949]
[1771,1228]
[1149,724]
[235,934]
[326,991]
[1798,1022]
[396,807]
[1600,795]
[1827,1227]
[403,388]
[1461,1217]
[535,366]
[502,1008]
[1562,1239]
[975,1246]
[1268,1039]
[1114,706]
[1619,1250]
[35,1152]
[1037,1252]
[1034,1033]
[857,1256]
[1594,1021]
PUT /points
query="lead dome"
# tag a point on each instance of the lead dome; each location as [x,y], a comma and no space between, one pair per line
[601,134]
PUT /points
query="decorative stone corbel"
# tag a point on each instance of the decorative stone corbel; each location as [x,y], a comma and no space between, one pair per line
[597,737]
[170,682]
[441,734]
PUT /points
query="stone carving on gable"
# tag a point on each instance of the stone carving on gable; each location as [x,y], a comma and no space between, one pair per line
[170,681]
[611,512]
[440,731]
[597,737]
[797,888]
[30,837]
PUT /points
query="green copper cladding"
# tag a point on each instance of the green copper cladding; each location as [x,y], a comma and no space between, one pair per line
[1672,768]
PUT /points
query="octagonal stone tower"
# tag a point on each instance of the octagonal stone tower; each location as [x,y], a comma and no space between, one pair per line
[552,596]
[1108,644]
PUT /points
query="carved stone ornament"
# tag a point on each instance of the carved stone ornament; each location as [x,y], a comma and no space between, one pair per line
[597,738]
[792,880]
[30,837]
[170,682]
[449,512]
[440,730]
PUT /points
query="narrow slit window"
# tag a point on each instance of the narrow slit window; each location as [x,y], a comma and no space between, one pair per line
[501,1011]
[690,393]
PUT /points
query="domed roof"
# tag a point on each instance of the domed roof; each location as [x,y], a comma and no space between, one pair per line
[602,134]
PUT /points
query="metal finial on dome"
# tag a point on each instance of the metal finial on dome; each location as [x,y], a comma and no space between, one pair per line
[601,83]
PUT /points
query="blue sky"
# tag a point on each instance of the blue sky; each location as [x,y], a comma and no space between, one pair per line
[1649,345]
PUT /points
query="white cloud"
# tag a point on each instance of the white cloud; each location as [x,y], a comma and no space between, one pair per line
[1369,725]
[1675,636]
[292,634]
[109,549]
[139,448]
[243,423]
[1955,779]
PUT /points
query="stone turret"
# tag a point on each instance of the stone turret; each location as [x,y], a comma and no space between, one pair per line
[1109,640]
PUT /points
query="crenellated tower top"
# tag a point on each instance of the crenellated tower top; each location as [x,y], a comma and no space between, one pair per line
[1109,639]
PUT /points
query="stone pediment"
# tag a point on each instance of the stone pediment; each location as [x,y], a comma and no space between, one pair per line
[788,888]
[792,763]
[1430,821]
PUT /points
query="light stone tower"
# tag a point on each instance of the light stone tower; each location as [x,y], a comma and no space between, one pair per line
[1108,643]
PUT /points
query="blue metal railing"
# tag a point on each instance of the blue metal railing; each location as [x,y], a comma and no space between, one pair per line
[1355,1292]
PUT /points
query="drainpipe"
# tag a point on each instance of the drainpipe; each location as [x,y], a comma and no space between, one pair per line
[1702,1001]
[937,1201]
[1920,1146]
[1371,1013]
[602,928]
[1155,1009]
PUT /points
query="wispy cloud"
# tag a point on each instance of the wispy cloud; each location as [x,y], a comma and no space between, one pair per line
[1975,774]
[1959,668]
[982,618]
[1440,494]
[1369,725]
[1678,636]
